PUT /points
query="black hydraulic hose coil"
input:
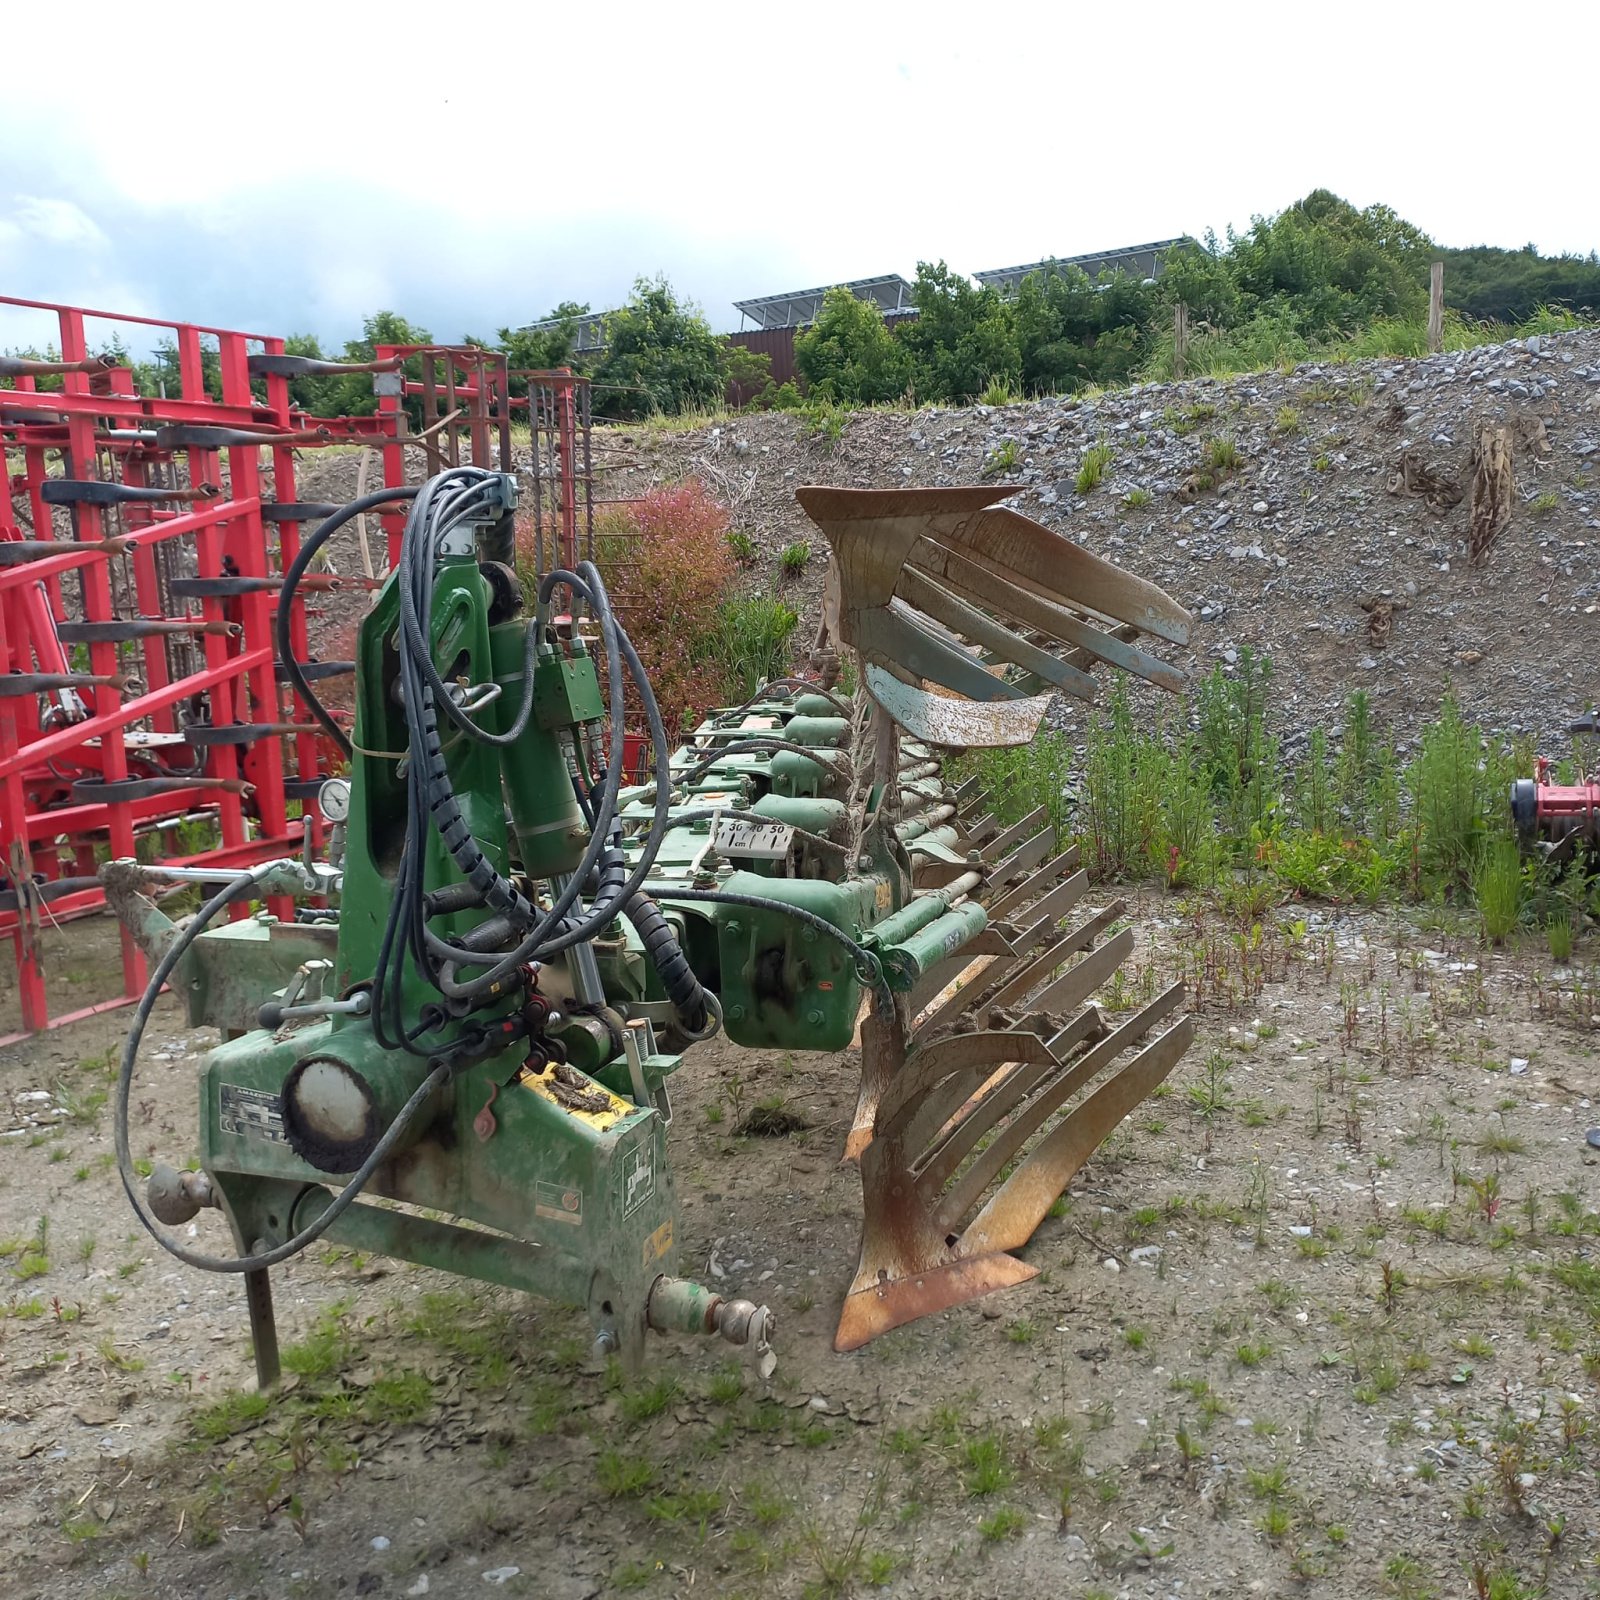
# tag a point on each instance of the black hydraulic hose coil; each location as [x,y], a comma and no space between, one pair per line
[661,945]
[667,957]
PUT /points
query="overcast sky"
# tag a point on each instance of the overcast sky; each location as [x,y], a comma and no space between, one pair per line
[471,167]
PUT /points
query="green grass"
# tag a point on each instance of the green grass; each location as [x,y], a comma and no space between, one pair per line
[1222,455]
[1137,499]
[1093,467]
[1288,420]
[985,1467]
[795,558]
[623,1476]
[1497,888]
[751,640]
[1003,1524]
[232,1414]
[650,1399]
[1003,458]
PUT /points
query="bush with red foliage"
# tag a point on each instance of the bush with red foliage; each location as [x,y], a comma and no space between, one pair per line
[668,565]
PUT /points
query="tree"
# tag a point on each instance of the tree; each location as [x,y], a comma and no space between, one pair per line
[747,373]
[1199,274]
[1072,332]
[661,356]
[962,337]
[1330,268]
[850,355]
[1510,285]
[350,394]
[542,349]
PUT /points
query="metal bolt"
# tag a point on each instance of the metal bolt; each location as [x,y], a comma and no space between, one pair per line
[735,1013]
[735,927]
[814,1019]
[808,935]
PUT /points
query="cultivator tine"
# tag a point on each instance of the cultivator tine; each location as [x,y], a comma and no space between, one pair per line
[1024,858]
[1035,884]
[1002,842]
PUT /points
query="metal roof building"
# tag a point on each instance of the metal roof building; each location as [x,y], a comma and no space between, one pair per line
[890,293]
[590,330]
[1138,260]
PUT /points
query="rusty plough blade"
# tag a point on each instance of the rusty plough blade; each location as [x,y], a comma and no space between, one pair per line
[988,1085]
[932,586]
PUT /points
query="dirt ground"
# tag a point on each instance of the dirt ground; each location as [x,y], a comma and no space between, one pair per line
[1322,1318]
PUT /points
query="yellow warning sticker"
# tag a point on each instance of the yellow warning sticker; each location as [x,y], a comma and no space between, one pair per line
[658,1243]
[601,1109]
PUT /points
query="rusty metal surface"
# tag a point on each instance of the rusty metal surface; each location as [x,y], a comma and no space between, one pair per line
[933,587]
[965,1138]
[955,724]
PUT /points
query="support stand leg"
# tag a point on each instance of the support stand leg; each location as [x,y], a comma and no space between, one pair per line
[263,1326]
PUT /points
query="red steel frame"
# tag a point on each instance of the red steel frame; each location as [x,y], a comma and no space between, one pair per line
[215,520]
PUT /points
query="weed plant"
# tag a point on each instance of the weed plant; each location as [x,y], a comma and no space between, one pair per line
[1214,805]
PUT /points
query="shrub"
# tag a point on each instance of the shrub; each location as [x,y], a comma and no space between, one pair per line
[795,558]
[825,421]
[750,643]
[1448,790]
[1018,779]
[667,561]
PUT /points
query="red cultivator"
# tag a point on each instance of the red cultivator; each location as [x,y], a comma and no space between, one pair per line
[143,542]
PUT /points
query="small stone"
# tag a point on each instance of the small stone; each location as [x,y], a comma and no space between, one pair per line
[380,1543]
[1519,1064]
[1260,508]
[1146,1253]
[421,1586]
[817,1403]
[501,1574]
[1111,1265]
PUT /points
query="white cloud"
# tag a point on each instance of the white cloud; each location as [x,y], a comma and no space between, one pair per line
[56,221]
[743,154]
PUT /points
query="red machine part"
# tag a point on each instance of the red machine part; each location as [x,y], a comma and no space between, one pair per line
[139,691]
[1561,814]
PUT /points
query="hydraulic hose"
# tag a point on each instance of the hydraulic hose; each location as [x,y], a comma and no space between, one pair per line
[130,1052]
[666,956]
[868,967]
[291,582]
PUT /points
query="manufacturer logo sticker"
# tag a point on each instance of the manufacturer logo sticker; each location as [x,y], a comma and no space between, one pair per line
[638,1178]
[249,1113]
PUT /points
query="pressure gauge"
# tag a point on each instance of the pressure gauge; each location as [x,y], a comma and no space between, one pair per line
[333,799]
